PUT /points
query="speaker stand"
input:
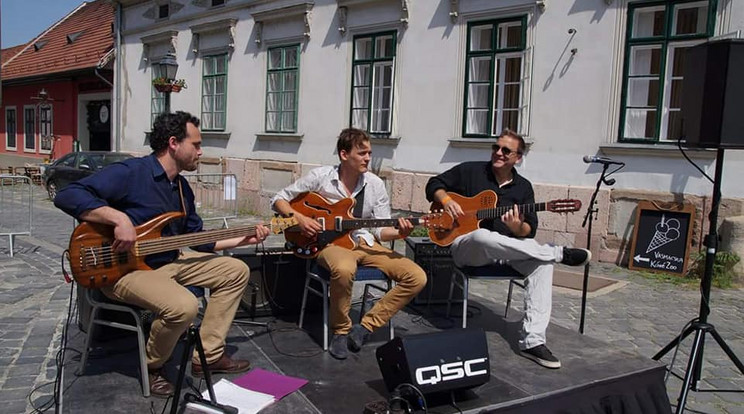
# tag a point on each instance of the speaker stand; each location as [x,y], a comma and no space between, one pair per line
[701,327]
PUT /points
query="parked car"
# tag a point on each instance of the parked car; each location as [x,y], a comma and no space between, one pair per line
[77,165]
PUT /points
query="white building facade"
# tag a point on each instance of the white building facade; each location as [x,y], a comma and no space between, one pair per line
[434,82]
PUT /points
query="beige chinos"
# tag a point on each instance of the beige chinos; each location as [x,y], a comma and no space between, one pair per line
[162,291]
[342,263]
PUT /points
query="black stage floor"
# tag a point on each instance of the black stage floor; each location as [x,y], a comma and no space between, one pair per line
[594,378]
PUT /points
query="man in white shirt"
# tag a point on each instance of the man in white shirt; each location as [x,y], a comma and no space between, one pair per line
[347,180]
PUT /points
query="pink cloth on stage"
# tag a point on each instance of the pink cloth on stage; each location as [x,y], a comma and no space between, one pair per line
[269,382]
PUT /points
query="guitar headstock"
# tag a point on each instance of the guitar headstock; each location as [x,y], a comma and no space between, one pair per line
[438,220]
[279,224]
[564,205]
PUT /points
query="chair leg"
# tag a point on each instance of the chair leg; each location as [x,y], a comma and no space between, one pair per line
[326,316]
[451,289]
[364,301]
[509,297]
[465,287]
[142,357]
[390,322]
[88,339]
[304,301]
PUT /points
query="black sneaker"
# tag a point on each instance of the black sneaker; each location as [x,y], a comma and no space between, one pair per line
[576,257]
[339,348]
[358,337]
[542,355]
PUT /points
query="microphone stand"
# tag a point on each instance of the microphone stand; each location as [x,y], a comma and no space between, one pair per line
[591,215]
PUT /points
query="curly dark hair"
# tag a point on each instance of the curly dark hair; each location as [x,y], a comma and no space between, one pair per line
[170,125]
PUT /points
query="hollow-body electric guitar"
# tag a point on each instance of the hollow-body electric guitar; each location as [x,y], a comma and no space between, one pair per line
[483,206]
[337,222]
[94,263]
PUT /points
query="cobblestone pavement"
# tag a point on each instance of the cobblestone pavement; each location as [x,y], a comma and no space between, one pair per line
[640,314]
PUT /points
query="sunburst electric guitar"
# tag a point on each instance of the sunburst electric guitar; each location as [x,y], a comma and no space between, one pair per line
[337,222]
[95,264]
[483,206]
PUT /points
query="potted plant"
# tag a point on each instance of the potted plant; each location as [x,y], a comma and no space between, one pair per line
[165,85]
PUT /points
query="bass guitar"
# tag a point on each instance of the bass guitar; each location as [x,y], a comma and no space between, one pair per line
[94,263]
[337,222]
[483,206]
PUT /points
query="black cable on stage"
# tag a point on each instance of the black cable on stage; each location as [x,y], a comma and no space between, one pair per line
[271,330]
[58,387]
[453,403]
[419,395]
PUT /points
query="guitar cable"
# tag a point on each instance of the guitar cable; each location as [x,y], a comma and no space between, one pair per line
[59,359]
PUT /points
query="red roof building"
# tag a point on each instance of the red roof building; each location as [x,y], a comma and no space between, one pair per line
[56,89]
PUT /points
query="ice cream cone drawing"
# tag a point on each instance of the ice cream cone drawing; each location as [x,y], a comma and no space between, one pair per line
[666,231]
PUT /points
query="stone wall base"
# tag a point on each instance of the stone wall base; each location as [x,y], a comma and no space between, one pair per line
[612,230]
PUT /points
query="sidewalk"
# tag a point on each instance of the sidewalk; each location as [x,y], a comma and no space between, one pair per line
[640,315]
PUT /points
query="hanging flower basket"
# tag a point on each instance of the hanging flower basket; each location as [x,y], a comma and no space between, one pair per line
[164,85]
[163,88]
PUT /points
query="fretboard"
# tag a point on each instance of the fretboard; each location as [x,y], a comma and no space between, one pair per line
[496,212]
[164,244]
[353,224]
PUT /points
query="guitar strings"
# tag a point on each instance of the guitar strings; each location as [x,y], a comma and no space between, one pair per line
[164,244]
[500,211]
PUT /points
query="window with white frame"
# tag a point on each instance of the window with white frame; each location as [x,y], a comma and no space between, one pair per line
[372,80]
[29,128]
[495,77]
[11,128]
[157,98]
[45,128]
[214,93]
[282,85]
[658,35]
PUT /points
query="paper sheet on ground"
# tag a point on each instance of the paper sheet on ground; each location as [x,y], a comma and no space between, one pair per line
[245,400]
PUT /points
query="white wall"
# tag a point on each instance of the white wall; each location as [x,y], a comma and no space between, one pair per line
[574,101]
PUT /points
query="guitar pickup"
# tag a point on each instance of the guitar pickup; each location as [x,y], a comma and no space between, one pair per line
[338,222]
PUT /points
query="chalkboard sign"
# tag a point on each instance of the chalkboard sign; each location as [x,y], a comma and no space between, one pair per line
[662,235]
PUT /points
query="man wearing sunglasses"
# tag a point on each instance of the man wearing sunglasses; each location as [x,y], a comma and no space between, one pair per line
[510,238]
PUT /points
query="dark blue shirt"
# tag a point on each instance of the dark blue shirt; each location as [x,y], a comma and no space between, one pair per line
[139,188]
[470,178]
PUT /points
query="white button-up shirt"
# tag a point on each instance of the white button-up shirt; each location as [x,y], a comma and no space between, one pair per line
[326,182]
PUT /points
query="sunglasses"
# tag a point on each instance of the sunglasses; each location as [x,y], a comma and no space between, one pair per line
[504,150]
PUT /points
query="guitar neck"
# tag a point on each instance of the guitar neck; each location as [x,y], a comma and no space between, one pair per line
[353,224]
[496,212]
[164,244]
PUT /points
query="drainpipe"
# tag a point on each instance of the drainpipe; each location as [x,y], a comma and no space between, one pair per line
[117,76]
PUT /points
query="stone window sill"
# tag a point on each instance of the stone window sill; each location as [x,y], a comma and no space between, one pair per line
[277,136]
[392,141]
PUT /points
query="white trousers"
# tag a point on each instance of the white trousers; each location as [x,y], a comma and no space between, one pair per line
[533,260]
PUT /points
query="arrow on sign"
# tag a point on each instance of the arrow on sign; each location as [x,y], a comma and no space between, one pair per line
[638,258]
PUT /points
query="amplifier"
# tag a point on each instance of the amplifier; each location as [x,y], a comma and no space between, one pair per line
[423,247]
[276,282]
[437,263]
[439,361]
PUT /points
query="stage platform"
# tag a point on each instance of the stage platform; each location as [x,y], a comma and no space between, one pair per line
[595,378]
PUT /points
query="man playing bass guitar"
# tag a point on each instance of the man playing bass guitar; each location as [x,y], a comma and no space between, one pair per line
[132,192]
[352,179]
[508,238]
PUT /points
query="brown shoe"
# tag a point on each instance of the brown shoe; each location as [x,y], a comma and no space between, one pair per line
[224,365]
[159,385]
